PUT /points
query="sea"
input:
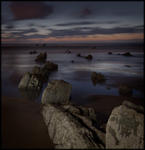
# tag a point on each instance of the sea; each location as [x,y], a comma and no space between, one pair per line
[117,69]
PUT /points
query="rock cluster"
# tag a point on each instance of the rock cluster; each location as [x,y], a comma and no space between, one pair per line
[70,126]
[35,79]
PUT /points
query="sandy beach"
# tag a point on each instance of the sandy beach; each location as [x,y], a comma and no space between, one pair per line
[22,125]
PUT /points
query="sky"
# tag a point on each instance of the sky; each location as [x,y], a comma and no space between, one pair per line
[72,22]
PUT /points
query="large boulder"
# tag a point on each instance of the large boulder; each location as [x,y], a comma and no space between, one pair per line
[69,127]
[125,127]
[97,78]
[41,58]
[57,91]
[30,81]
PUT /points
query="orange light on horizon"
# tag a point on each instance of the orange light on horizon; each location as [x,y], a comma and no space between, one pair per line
[97,37]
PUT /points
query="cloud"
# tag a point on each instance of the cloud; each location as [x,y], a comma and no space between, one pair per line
[85,31]
[87,23]
[30,10]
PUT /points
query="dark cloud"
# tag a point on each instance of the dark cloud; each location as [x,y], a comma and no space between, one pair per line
[92,31]
[9,26]
[87,23]
[86,12]
[30,10]
[76,23]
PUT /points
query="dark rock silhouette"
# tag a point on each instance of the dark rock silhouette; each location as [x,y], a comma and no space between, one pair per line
[110,53]
[41,57]
[127,54]
[125,90]
[97,78]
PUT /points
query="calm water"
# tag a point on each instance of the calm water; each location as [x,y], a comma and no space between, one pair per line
[15,62]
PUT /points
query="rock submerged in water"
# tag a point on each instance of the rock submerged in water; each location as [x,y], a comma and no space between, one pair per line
[89,57]
[37,77]
[125,127]
[50,66]
[97,78]
[127,54]
[110,53]
[33,52]
[125,90]
[30,81]
[57,91]
[41,58]
[69,127]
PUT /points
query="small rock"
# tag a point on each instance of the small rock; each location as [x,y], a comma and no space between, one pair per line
[72,61]
[110,53]
[41,57]
[79,55]
[127,54]
[97,78]
[89,57]
[125,90]
[50,66]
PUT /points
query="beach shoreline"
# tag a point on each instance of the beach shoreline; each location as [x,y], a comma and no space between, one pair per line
[23,125]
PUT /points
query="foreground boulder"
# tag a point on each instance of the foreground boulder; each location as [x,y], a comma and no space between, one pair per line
[125,90]
[71,127]
[41,57]
[30,81]
[125,127]
[97,78]
[127,54]
[57,91]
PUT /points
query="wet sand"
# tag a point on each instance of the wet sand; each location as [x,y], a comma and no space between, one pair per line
[23,125]
[105,103]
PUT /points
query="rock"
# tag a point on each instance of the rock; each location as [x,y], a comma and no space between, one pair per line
[32,52]
[68,129]
[127,66]
[127,54]
[79,55]
[89,57]
[24,81]
[41,57]
[72,61]
[68,51]
[97,78]
[125,90]
[30,81]
[57,91]
[125,128]
[110,53]
[50,66]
